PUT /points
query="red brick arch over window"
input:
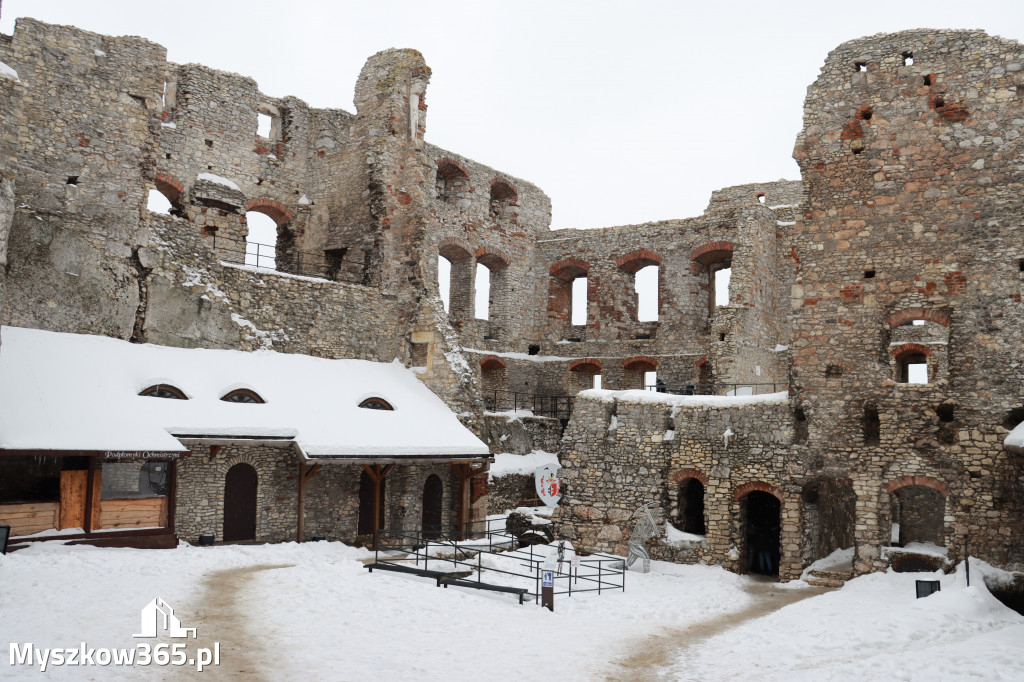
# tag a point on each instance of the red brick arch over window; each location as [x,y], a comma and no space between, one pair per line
[748,488]
[492,362]
[169,187]
[905,349]
[926,481]
[637,260]
[450,168]
[492,257]
[686,474]
[570,268]
[712,252]
[502,190]
[901,317]
[275,209]
[640,363]
[585,365]
[455,249]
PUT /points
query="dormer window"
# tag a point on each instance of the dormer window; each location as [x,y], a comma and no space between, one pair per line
[243,395]
[376,404]
[164,391]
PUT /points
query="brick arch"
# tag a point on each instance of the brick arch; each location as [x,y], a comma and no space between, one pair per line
[747,488]
[450,168]
[640,363]
[685,474]
[504,191]
[901,317]
[570,268]
[275,209]
[492,362]
[926,481]
[712,252]
[455,249]
[169,187]
[905,349]
[637,260]
[586,365]
[493,257]
[701,361]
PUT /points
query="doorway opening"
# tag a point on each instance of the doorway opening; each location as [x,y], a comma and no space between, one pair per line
[240,485]
[761,533]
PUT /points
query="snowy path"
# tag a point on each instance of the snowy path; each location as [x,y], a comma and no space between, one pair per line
[222,610]
[656,652]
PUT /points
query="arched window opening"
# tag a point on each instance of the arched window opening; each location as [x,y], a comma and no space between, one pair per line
[444,281]
[376,404]
[460,269]
[691,507]
[243,395]
[918,513]
[636,372]
[493,381]
[913,368]
[482,304]
[164,391]
[587,374]
[261,241]
[578,303]
[158,203]
[645,284]
[503,195]
[452,183]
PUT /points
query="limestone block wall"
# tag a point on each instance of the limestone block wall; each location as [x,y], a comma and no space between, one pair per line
[619,454]
[910,159]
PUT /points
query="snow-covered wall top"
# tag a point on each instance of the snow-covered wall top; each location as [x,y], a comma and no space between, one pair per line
[78,392]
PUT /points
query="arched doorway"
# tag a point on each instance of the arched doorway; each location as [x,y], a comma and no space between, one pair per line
[691,506]
[918,513]
[761,532]
[240,485]
[433,494]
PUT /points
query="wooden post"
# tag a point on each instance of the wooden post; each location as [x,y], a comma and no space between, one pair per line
[172,494]
[376,472]
[90,490]
[465,472]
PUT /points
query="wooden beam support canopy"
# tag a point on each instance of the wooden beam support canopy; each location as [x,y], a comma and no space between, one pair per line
[464,472]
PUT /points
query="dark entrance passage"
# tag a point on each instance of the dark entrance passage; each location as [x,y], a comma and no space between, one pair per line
[240,503]
[691,507]
[433,494]
[761,533]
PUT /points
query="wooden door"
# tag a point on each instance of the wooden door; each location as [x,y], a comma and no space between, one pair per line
[433,494]
[240,503]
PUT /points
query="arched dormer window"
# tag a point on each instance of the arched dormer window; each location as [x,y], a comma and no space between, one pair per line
[243,395]
[164,391]
[376,404]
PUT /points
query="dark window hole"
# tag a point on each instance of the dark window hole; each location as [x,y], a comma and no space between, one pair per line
[940,102]
[928,79]
[72,180]
[860,66]
[869,274]
[721,337]
[209,143]
[1014,417]
[533,349]
[945,412]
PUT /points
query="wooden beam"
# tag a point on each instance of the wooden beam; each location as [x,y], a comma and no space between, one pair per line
[301,504]
[376,472]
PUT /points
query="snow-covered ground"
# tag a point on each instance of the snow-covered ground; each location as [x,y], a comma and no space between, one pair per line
[311,611]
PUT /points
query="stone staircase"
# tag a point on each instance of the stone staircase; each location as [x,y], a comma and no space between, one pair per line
[828,578]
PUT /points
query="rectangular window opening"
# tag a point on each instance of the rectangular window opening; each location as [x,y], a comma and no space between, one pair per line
[482,305]
[597,381]
[263,122]
[578,311]
[723,277]
[444,281]
[645,283]
[917,372]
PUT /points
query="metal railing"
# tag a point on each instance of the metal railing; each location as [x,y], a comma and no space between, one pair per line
[291,261]
[739,389]
[557,406]
[429,553]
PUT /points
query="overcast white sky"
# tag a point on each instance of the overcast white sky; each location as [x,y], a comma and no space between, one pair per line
[623,112]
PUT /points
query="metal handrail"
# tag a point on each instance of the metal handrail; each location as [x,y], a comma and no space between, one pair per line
[729,388]
[542,405]
[292,261]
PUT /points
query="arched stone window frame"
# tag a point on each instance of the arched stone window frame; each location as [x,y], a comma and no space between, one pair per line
[452,182]
[563,274]
[710,258]
[503,196]
[632,263]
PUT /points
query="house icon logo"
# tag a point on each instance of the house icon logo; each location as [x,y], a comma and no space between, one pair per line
[158,616]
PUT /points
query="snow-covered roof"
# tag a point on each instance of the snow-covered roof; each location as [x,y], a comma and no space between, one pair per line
[79,392]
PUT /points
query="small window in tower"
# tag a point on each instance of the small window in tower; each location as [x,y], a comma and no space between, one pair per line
[860,66]
[908,59]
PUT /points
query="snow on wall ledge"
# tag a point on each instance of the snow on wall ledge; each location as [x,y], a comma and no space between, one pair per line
[639,396]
